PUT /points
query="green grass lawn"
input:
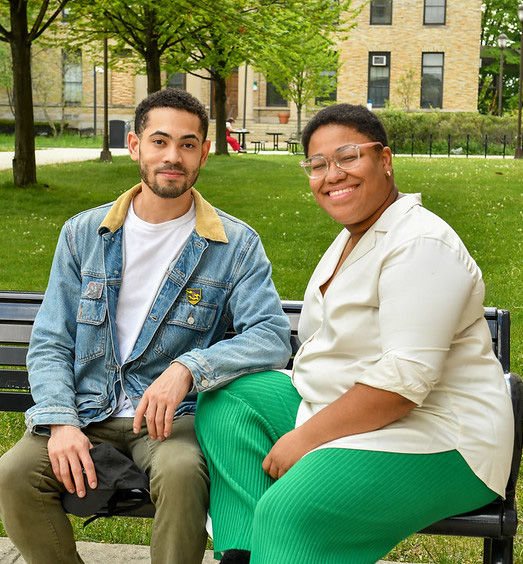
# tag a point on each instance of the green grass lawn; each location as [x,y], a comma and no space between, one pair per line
[481,199]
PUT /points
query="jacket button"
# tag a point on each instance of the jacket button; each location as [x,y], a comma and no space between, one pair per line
[205,383]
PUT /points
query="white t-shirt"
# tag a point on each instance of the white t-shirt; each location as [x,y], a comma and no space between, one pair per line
[149,249]
[405,314]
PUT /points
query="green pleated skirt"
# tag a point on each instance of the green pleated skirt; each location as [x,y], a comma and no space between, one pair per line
[334,506]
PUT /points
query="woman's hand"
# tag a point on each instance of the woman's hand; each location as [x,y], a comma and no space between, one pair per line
[285,453]
[359,410]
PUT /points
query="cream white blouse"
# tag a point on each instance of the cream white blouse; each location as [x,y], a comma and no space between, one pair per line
[405,314]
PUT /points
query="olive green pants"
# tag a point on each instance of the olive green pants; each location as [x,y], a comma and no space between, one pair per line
[334,506]
[37,524]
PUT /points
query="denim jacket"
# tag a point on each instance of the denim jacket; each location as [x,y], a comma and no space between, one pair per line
[221,278]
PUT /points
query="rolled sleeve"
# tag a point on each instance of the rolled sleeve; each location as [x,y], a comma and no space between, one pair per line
[423,290]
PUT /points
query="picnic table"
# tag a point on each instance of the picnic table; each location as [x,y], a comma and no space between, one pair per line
[275,138]
[241,136]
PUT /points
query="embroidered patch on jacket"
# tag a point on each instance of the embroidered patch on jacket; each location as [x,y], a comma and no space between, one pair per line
[194,295]
[94,290]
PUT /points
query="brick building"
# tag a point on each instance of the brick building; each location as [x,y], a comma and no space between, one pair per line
[412,54]
[433,44]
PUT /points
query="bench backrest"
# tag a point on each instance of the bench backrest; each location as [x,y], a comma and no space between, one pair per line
[18,310]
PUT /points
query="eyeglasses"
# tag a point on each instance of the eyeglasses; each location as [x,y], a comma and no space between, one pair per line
[345,158]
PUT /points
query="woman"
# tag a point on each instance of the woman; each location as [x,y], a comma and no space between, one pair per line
[235,145]
[396,414]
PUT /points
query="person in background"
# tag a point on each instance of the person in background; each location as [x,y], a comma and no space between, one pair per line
[396,413]
[131,328]
[235,145]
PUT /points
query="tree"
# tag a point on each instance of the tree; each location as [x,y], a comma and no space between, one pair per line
[408,88]
[226,35]
[176,34]
[499,16]
[242,31]
[149,27]
[28,20]
[304,72]
[300,61]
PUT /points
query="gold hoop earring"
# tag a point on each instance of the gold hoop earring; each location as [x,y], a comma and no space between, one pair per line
[388,173]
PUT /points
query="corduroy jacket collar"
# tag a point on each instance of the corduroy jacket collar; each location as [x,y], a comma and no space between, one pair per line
[208,223]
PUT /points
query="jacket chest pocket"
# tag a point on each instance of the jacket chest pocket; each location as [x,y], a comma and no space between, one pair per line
[91,329]
[186,327]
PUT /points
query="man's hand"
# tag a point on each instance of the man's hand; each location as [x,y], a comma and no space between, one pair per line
[68,449]
[161,399]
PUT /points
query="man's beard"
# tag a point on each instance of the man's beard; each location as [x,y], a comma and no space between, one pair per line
[168,189]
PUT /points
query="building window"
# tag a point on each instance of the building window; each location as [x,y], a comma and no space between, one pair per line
[72,76]
[381,12]
[177,80]
[274,98]
[432,80]
[379,79]
[332,96]
[435,12]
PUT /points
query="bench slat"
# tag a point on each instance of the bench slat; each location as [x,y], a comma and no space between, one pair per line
[15,401]
[12,333]
[12,379]
[18,312]
[13,356]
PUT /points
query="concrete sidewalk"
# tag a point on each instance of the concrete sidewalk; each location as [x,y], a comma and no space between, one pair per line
[67,155]
[100,553]
[54,156]
[96,553]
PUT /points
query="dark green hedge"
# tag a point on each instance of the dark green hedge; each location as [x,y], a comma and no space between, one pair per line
[402,127]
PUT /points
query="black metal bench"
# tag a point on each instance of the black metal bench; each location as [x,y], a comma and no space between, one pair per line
[496,522]
[258,146]
[294,147]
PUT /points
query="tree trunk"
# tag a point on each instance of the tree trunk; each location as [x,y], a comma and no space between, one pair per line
[152,52]
[24,162]
[152,64]
[298,131]
[220,101]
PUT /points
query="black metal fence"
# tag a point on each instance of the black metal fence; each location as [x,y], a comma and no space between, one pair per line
[453,146]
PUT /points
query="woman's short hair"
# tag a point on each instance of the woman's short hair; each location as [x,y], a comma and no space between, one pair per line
[357,117]
[170,98]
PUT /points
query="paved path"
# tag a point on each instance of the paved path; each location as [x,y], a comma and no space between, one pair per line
[96,553]
[100,553]
[53,156]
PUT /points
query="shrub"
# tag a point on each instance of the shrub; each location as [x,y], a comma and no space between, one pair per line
[415,131]
[7,126]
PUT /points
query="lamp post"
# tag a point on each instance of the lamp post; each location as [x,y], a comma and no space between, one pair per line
[502,43]
[519,153]
[105,155]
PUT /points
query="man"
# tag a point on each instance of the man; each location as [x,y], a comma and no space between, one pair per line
[140,294]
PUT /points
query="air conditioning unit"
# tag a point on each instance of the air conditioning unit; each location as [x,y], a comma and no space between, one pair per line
[379,60]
